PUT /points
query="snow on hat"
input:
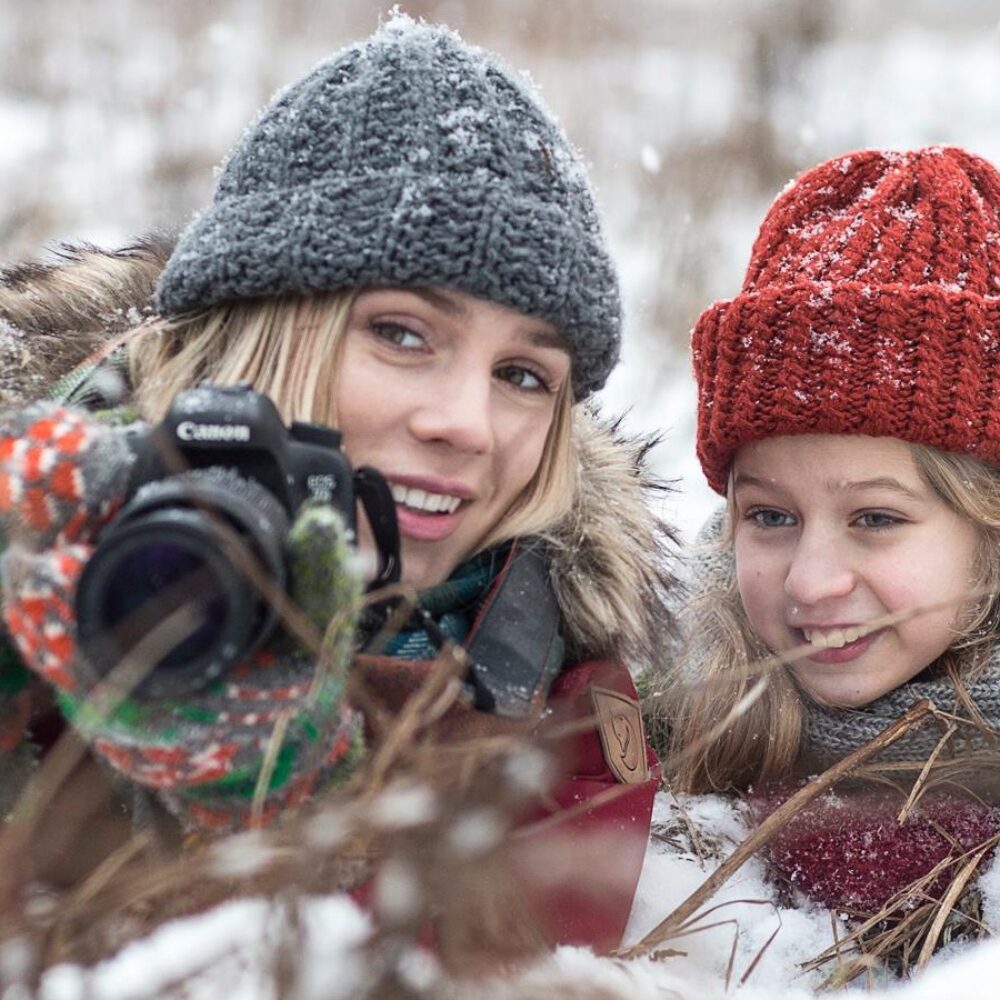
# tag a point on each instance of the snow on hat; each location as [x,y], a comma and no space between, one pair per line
[409,159]
[871,306]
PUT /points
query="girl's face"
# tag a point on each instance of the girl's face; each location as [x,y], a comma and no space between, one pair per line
[451,397]
[833,532]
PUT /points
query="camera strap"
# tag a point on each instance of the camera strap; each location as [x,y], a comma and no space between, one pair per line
[514,644]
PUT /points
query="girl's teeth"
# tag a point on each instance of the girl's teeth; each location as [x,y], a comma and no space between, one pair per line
[833,639]
[417,499]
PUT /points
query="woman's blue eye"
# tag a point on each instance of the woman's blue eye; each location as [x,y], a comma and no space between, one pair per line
[398,335]
[768,518]
[523,378]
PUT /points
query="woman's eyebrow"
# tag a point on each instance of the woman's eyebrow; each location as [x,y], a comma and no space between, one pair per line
[441,300]
[455,307]
[547,338]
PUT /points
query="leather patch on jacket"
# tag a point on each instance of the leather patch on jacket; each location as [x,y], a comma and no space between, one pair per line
[619,723]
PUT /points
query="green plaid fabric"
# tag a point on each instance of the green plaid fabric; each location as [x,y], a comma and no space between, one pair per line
[452,606]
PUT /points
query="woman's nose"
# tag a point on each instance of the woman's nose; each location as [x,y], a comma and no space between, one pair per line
[459,414]
[819,569]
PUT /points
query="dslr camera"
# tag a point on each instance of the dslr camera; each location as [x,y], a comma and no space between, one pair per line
[214,489]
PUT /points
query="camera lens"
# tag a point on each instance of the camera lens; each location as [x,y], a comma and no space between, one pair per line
[168,575]
[170,586]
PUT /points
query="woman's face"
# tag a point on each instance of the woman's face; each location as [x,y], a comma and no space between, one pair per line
[833,532]
[451,397]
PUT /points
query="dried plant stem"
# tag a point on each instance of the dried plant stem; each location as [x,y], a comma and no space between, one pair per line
[442,684]
[920,783]
[948,902]
[267,767]
[775,822]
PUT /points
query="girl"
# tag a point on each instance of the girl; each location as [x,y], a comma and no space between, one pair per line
[404,246]
[846,413]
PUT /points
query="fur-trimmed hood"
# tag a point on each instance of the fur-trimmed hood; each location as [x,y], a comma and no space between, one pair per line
[610,557]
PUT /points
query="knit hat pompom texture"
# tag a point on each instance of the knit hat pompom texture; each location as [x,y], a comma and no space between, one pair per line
[871,306]
[409,159]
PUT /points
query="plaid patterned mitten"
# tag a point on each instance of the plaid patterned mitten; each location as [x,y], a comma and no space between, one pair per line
[63,475]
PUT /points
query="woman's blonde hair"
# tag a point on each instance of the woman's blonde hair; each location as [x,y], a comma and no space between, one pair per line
[723,733]
[290,348]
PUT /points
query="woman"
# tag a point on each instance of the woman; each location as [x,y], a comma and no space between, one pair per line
[405,246]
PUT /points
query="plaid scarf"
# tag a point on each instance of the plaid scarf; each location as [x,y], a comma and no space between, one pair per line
[447,611]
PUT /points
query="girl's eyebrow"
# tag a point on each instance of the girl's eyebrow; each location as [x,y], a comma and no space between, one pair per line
[878,483]
[836,486]
[742,479]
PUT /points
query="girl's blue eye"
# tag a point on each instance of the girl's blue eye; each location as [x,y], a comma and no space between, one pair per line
[398,335]
[877,520]
[767,517]
[523,378]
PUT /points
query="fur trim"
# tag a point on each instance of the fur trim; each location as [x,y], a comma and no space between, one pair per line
[53,316]
[611,556]
[608,556]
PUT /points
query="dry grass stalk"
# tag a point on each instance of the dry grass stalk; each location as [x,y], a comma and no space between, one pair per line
[683,914]
[907,930]
[466,890]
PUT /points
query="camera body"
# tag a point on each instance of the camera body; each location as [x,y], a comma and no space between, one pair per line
[202,537]
[234,427]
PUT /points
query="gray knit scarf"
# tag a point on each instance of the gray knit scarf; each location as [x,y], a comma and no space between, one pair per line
[830,733]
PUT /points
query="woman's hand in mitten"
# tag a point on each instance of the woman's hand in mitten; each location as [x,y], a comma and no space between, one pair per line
[282,711]
[62,476]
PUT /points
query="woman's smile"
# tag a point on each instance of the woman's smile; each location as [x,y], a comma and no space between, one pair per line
[452,398]
[428,509]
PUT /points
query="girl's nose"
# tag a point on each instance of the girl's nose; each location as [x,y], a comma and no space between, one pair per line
[819,570]
[459,414]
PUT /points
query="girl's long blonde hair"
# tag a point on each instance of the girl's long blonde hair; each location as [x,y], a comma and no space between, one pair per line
[290,348]
[724,731]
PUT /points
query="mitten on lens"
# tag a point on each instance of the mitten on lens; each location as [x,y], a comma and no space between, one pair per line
[62,477]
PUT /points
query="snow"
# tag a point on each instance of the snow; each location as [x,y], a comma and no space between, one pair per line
[232,948]
[225,952]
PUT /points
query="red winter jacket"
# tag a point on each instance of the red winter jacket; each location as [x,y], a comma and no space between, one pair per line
[594,802]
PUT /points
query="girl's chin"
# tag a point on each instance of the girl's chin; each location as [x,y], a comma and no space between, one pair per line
[837,692]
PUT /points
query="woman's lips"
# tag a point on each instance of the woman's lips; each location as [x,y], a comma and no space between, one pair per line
[427,527]
[428,509]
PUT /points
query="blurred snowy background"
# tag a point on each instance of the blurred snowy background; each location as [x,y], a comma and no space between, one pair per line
[692,113]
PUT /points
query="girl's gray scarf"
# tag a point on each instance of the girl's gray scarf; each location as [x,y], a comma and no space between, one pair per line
[833,732]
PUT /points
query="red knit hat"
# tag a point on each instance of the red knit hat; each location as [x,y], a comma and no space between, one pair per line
[871,306]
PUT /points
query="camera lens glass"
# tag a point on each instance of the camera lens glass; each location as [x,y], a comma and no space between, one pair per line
[159,578]
[170,591]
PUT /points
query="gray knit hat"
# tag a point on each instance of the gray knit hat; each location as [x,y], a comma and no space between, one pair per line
[409,159]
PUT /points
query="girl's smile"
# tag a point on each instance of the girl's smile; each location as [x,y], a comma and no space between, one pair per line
[835,534]
[839,645]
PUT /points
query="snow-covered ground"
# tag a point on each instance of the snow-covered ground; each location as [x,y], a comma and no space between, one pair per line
[755,948]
